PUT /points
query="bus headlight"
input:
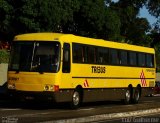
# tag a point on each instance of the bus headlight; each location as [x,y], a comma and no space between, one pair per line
[46,88]
[49,88]
[11,86]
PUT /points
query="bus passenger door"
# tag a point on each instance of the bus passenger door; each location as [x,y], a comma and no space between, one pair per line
[66,67]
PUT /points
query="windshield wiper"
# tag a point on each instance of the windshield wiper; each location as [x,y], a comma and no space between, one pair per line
[33,52]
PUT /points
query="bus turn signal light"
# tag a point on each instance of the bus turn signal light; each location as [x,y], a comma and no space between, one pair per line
[56,87]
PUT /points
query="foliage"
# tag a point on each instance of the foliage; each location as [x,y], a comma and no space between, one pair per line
[95,20]
[87,18]
[136,32]
[4,56]
[40,15]
[133,29]
[154,7]
[92,18]
[6,15]
[106,19]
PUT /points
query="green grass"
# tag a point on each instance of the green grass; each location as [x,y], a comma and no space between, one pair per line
[4,56]
[158,71]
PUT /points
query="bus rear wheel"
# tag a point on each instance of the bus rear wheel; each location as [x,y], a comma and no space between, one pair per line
[76,100]
[136,96]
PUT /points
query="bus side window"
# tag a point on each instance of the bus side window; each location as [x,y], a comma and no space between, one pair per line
[114,57]
[132,58]
[141,60]
[66,58]
[150,60]
[123,57]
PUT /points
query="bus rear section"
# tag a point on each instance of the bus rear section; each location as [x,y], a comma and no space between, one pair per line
[107,72]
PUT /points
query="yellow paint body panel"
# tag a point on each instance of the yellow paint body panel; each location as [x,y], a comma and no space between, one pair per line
[115,77]
[29,81]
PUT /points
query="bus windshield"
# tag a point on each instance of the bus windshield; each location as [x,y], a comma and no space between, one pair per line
[35,56]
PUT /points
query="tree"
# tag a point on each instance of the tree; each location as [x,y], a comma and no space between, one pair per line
[40,15]
[91,18]
[154,7]
[112,25]
[5,19]
[94,19]
[87,17]
[137,32]
[133,29]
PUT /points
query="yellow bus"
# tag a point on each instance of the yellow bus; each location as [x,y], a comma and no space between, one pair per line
[75,69]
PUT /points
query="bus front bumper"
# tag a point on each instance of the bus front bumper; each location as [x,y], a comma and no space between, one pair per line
[60,96]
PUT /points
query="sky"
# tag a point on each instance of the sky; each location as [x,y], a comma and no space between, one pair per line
[144,13]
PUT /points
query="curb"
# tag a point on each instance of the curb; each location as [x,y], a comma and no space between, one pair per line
[106,116]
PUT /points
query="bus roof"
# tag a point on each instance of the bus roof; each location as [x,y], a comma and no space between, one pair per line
[38,36]
[80,39]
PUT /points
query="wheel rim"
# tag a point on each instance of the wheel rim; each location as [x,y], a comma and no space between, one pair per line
[76,98]
[128,95]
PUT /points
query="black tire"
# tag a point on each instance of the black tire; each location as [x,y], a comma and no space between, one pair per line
[128,96]
[136,96]
[76,100]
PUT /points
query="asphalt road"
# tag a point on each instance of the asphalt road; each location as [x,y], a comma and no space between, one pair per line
[24,112]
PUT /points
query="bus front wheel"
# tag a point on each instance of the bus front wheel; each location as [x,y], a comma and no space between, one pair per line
[128,96]
[76,99]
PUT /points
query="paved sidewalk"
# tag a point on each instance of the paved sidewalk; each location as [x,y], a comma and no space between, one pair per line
[106,116]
